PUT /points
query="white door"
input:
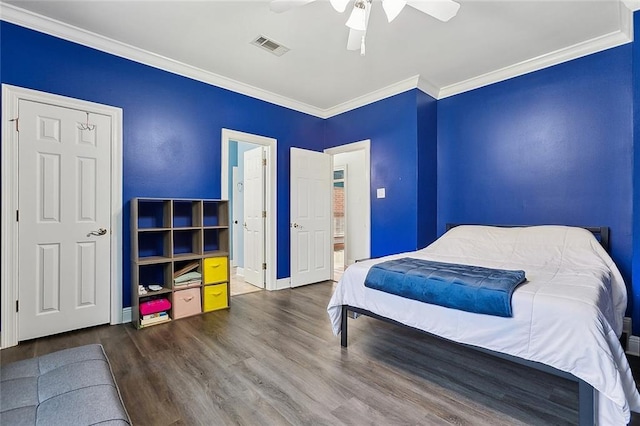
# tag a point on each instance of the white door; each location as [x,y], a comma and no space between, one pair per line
[64,218]
[236,226]
[254,218]
[311,183]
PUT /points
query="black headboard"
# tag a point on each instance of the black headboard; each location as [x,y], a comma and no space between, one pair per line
[600,232]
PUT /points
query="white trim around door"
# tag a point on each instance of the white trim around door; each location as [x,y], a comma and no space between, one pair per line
[9,279]
[364,146]
[271,193]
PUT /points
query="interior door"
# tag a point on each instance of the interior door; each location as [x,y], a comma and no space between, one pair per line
[254,217]
[311,239]
[64,216]
[236,227]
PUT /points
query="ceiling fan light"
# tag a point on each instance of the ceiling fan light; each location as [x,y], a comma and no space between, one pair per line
[392,8]
[358,18]
[339,5]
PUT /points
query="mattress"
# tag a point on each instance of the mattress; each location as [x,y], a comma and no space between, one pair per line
[567,315]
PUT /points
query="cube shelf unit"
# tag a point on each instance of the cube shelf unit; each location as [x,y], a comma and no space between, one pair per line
[168,235]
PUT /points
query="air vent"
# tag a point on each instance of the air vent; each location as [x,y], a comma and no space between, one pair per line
[270,45]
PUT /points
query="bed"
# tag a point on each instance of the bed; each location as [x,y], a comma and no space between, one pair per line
[567,317]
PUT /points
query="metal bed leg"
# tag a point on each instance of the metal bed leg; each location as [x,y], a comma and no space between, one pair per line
[586,404]
[586,392]
[343,327]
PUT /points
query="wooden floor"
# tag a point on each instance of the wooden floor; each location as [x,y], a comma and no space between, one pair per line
[271,359]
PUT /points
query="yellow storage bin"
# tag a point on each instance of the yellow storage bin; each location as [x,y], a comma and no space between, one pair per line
[214,269]
[215,297]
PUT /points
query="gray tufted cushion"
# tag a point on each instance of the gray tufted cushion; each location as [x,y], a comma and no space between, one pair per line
[69,387]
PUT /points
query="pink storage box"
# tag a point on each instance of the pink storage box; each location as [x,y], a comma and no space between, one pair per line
[186,303]
[154,305]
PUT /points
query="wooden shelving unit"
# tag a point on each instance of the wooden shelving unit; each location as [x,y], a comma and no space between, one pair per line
[166,236]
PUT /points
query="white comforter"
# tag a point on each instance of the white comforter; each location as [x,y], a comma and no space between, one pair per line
[567,315]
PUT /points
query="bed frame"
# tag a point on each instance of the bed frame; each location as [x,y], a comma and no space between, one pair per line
[600,232]
[586,393]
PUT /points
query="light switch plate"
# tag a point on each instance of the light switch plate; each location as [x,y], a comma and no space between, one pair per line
[381,193]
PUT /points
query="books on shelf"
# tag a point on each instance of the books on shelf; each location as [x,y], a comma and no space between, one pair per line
[156,320]
[190,279]
[191,283]
[156,315]
[187,268]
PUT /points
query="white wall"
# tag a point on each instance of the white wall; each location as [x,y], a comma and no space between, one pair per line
[358,232]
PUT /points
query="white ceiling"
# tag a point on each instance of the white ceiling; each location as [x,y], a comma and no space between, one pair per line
[487,41]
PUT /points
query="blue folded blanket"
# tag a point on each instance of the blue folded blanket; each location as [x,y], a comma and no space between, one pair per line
[465,287]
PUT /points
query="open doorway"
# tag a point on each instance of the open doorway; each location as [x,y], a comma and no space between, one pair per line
[247,203]
[351,204]
[339,219]
[233,189]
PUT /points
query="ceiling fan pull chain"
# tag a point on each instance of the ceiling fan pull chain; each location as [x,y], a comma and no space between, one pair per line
[362,47]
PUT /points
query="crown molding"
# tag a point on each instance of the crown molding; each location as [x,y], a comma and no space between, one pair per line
[37,22]
[633,5]
[429,88]
[377,95]
[34,21]
[598,44]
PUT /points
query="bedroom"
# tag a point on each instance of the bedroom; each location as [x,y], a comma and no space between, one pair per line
[573,162]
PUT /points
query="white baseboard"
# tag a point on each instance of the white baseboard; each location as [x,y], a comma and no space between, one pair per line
[283,283]
[633,346]
[126,315]
[240,272]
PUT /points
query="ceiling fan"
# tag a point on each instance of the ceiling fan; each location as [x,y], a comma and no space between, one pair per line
[358,21]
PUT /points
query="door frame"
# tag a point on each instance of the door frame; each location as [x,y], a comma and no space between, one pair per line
[9,280]
[364,145]
[345,237]
[271,196]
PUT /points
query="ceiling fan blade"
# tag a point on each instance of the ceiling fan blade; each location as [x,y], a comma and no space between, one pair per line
[355,39]
[439,9]
[280,6]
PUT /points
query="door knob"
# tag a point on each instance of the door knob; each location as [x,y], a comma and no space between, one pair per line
[97,233]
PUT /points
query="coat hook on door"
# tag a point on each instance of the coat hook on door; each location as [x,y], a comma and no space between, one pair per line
[86,126]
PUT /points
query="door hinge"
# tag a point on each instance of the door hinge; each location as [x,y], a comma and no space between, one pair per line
[264,213]
[264,266]
[17,215]
[17,305]
[16,121]
[264,161]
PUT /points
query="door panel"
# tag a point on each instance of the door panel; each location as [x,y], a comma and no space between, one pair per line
[254,222]
[64,186]
[311,183]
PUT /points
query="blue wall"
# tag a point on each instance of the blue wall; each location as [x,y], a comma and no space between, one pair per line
[172,125]
[427,195]
[553,146]
[392,126]
[635,291]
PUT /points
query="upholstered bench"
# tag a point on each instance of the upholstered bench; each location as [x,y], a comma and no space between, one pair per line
[69,387]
